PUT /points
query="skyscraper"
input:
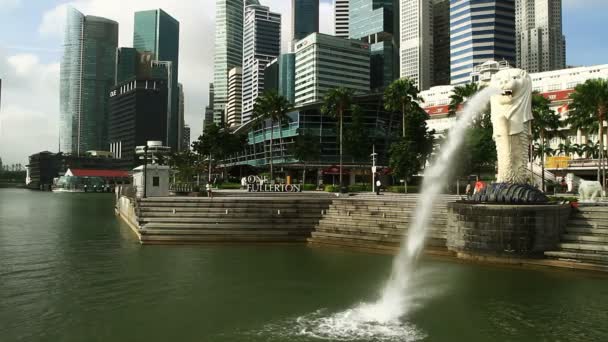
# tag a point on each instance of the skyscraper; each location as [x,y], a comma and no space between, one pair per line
[287,76]
[416,46]
[157,32]
[261,44]
[324,62]
[235,97]
[541,46]
[208,115]
[341,18]
[441,42]
[480,30]
[228,49]
[304,18]
[181,110]
[372,21]
[87,73]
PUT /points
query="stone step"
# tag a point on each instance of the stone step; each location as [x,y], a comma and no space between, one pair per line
[387,225]
[364,240]
[374,218]
[283,205]
[398,234]
[378,214]
[201,212]
[234,219]
[587,231]
[227,226]
[197,239]
[589,216]
[578,257]
[380,208]
[600,239]
[223,232]
[598,224]
[587,247]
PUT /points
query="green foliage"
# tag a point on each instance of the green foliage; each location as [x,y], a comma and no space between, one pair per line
[461,95]
[546,123]
[402,96]
[186,163]
[409,155]
[306,147]
[356,141]
[309,187]
[400,189]
[332,188]
[229,186]
[589,102]
[336,102]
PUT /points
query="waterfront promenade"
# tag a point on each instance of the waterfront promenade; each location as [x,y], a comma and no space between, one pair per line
[363,222]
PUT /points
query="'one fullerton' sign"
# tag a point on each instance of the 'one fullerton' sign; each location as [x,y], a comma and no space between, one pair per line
[257,184]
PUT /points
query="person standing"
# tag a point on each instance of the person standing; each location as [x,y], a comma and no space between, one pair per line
[378,186]
[209,190]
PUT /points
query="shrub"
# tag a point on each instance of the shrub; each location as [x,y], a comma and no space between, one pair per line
[332,188]
[229,186]
[309,187]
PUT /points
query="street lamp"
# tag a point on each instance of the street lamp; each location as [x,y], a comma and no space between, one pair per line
[145,170]
[374,155]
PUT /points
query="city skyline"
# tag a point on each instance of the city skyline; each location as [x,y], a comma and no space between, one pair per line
[31,63]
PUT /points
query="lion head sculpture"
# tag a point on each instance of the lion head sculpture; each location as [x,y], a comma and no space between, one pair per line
[515,99]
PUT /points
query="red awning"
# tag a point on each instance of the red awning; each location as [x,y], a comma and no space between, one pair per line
[100,173]
[335,170]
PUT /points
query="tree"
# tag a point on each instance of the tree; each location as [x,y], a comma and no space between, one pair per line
[356,141]
[336,103]
[185,163]
[546,125]
[401,96]
[588,112]
[216,143]
[274,107]
[306,148]
[461,95]
[409,155]
[567,148]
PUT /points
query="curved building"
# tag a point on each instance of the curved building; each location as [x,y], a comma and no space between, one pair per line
[87,74]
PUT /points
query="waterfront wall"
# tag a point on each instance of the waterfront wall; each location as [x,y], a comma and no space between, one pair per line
[513,231]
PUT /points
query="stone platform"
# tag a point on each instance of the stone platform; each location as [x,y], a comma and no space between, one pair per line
[512,231]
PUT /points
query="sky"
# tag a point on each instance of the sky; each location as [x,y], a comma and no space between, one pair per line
[31,38]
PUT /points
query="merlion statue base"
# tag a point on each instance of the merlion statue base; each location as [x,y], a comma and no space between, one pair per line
[506,193]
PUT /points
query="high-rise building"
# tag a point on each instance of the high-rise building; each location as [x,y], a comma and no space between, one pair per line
[416,46]
[181,109]
[138,113]
[208,115]
[541,45]
[88,68]
[441,42]
[235,97]
[155,31]
[228,49]
[304,18]
[480,30]
[341,18]
[186,138]
[261,44]
[127,60]
[372,21]
[271,76]
[324,62]
[287,76]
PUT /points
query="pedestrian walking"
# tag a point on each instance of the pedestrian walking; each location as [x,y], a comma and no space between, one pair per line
[209,190]
[378,186]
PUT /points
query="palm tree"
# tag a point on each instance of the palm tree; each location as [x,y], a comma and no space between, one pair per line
[461,95]
[274,107]
[588,111]
[567,148]
[546,125]
[401,96]
[336,103]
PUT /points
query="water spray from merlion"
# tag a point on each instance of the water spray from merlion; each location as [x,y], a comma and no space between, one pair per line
[381,320]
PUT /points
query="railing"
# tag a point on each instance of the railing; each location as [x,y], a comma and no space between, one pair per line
[184,187]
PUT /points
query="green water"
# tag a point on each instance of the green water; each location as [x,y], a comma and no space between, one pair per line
[71,271]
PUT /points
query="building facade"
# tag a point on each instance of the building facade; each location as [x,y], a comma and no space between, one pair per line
[441,42]
[186,138]
[138,113]
[88,68]
[287,76]
[416,46]
[261,44]
[235,97]
[304,18]
[341,18]
[157,32]
[208,114]
[480,30]
[271,76]
[324,62]
[373,21]
[228,49]
[541,45]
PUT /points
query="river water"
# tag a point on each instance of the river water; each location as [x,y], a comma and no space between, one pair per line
[71,271]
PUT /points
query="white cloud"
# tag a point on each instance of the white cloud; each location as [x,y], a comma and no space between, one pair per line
[196,17]
[30,106]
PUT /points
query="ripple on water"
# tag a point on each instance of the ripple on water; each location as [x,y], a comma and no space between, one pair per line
[348,325]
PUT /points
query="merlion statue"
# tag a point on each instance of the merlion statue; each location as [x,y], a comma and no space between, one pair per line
[511,117]
[511,121]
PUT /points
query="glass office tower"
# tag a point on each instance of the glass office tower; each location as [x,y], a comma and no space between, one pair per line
[88,69]
[304,18]
[157,32]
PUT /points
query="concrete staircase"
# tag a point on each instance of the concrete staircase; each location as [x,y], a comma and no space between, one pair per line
[183,220]
[586,237]
[377,223]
